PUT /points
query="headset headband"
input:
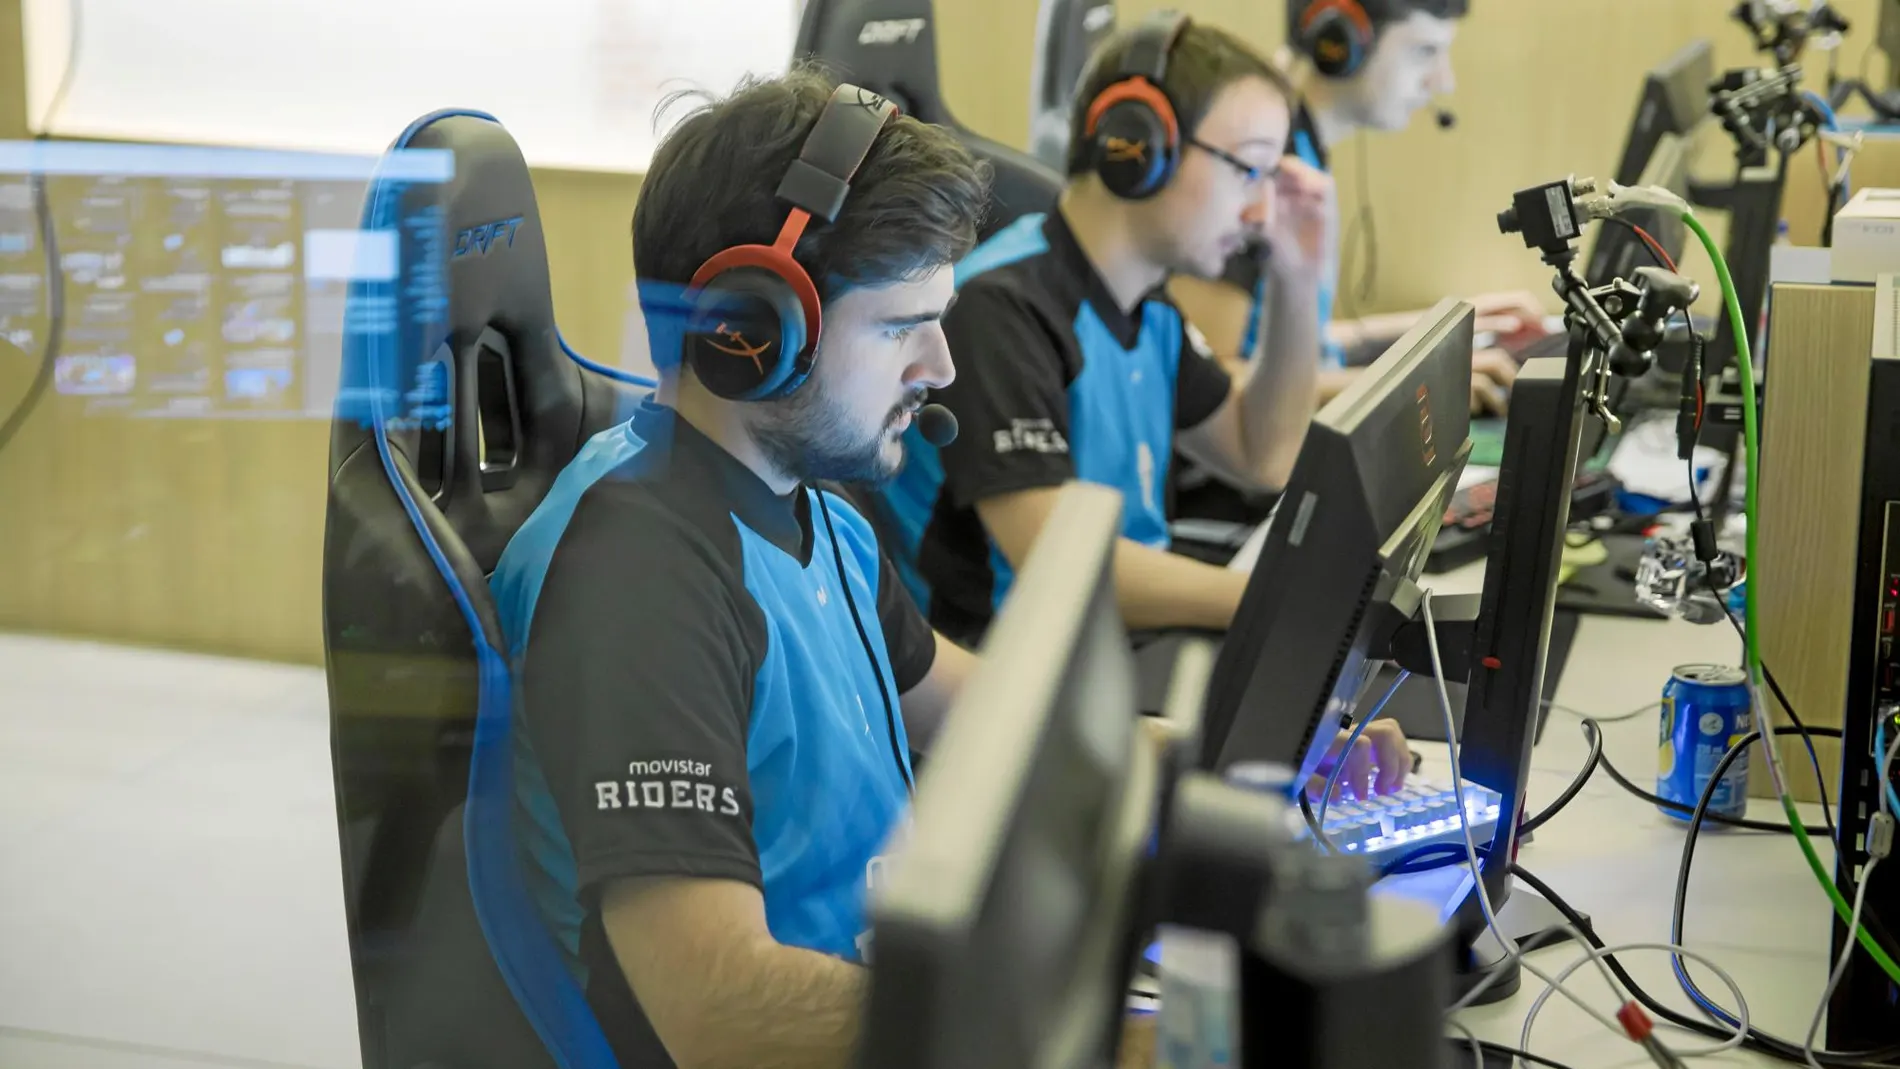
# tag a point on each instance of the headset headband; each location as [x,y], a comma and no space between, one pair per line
[1151,44]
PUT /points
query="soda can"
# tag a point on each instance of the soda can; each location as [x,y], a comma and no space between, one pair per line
[1705,711]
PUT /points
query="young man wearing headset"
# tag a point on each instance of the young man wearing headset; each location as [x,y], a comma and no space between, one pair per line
[719,679]
[1368,65]
[1073,364]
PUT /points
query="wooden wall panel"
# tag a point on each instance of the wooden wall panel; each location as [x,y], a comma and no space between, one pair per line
[209,536]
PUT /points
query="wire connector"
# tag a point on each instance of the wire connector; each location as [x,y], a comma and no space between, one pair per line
[1880,835]
[1622,198]
[1635,1022]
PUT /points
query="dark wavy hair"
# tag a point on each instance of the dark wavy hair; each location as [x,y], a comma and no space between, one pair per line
[914,205]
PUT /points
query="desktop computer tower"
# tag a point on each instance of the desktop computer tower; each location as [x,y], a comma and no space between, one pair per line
[1828,575]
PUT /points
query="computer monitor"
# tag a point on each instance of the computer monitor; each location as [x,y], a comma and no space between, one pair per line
[1353,529]
[1067,31]
[198,282]
[1674,100]
[1617,251]
[1003,921]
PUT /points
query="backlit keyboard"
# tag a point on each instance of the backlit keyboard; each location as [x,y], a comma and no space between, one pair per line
[1421,813]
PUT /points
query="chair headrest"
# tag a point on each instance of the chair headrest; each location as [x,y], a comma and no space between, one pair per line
[890,47]
[520,408]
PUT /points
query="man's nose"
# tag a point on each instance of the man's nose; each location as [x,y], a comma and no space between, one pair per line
[1258,214]
[1444,82]
[934,368]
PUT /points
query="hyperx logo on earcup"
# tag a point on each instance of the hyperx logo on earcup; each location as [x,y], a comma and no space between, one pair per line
[740,347]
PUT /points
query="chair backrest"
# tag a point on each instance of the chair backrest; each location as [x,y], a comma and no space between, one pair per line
[1067,32]
[406,668]
[890,47]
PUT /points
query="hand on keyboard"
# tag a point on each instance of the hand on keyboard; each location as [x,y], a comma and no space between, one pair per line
[1377,764]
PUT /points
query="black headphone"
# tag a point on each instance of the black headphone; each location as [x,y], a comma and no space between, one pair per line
[754,318]
[1132,126]
[1337,35]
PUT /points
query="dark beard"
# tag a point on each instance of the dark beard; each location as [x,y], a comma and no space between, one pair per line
[809,440]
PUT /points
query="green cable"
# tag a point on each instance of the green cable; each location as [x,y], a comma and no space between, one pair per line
[1751,434]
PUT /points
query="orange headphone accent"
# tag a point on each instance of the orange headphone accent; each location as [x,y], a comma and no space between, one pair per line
[1134,133]
[1337,35]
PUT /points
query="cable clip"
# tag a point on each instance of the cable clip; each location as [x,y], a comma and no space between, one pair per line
[1880,835]
[1635,1022]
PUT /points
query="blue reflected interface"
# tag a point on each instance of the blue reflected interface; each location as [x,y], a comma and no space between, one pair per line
[213,282]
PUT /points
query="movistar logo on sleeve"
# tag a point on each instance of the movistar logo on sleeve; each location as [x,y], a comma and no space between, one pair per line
[671,784]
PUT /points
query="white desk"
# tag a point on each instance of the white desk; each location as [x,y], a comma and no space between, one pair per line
[1753,905]
[168,824]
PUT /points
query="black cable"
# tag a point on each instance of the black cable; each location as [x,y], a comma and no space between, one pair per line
[1757,1040]
[1869,921]
[1636,233]
[1576,785]
[1503,1051]
[1687,810]
[55,316]
[890,711]
[49,244]
[1774,685]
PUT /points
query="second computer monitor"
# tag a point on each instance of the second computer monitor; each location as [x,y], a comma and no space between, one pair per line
[1002,923]
[1355,523]
[1618,250]
[1675,99]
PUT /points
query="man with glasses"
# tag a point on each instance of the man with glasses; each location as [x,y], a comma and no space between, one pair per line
[1072,362]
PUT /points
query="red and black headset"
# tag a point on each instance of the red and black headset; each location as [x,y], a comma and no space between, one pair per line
[755,315]
[1337,35]
[1132,126]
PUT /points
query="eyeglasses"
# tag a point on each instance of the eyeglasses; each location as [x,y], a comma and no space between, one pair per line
[1247,170]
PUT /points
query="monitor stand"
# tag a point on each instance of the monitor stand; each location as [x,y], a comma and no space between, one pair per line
[1529,921]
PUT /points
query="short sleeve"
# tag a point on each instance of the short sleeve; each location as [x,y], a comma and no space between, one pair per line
[1010,397]
[636,694]
[911,642]
[1201,385]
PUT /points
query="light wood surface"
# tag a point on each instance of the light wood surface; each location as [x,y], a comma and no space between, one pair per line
[1814,424]
[208,536]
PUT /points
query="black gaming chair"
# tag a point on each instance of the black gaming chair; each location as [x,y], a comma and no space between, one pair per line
[890,47]
[407,669]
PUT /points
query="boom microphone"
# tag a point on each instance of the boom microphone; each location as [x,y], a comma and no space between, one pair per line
[937,424]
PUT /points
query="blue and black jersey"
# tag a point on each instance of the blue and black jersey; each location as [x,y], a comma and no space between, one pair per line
[694,698]
[1054,382]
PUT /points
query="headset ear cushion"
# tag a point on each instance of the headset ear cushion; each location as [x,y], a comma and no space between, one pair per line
[1334,43]
[746,335]
[1133,155]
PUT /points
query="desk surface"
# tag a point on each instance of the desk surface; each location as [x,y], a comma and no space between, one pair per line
[213,799]
[1754,907]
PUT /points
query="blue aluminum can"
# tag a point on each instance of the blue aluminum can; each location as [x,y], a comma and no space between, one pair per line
[1705,710]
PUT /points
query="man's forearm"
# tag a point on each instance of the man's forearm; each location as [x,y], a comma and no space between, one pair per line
[779,1008]
[720,992]
[1157,589]
[1278,400]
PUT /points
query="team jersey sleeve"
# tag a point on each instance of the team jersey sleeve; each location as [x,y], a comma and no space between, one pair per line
[636,693]
[1201,385]
[1010,397]
[911,642]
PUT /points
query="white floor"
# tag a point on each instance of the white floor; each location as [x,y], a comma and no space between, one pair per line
[170,893]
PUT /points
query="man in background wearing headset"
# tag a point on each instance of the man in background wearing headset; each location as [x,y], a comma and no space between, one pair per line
[719,677]
[1371,65]
[1073,363]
